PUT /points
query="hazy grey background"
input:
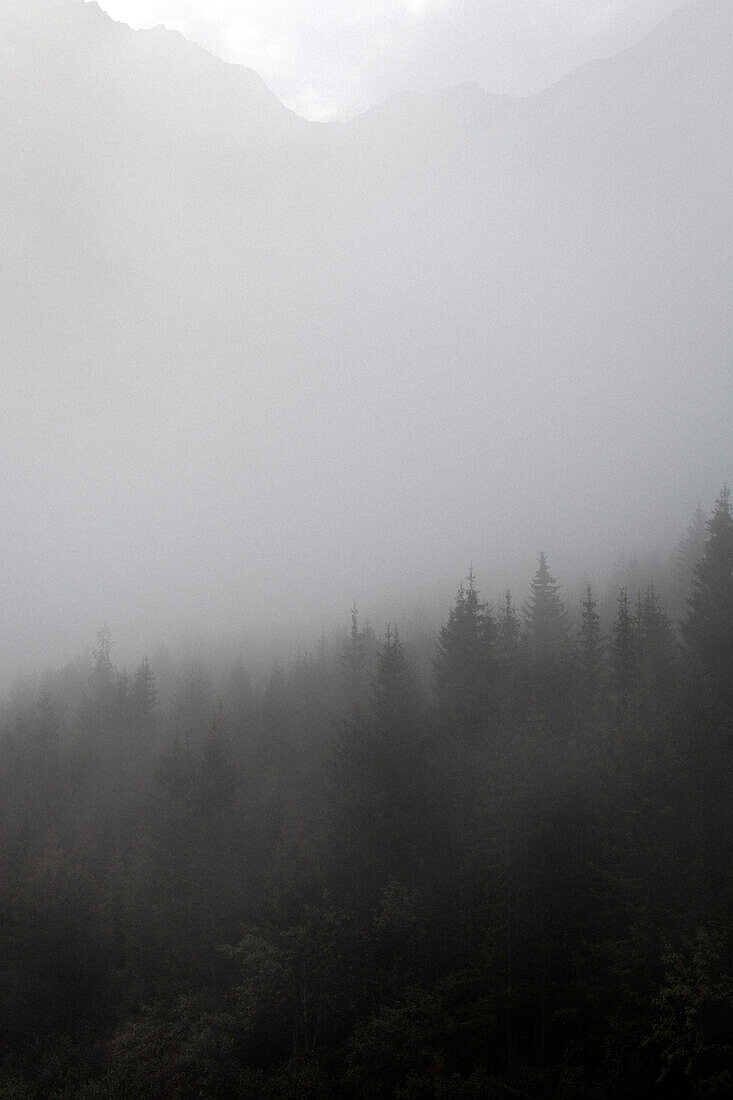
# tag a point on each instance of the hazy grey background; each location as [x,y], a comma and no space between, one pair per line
[334,58]
[254,368]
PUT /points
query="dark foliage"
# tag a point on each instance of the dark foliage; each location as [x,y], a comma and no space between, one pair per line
[510,880]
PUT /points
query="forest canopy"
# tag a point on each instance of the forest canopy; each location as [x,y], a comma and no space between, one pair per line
[492,862]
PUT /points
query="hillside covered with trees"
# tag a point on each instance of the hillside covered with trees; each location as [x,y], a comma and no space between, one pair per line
[498,865]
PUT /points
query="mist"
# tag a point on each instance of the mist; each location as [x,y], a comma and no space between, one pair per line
[366,583]
[257,368]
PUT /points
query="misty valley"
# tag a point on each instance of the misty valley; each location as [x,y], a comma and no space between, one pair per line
[295,800]
[495,862]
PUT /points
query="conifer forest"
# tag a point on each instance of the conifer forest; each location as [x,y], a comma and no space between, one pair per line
[495,862]
[366,667]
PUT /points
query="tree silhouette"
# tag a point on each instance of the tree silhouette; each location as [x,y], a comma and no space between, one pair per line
[708,628]
[464,669]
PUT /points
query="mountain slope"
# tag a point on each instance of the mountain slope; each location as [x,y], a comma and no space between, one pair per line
[243,350]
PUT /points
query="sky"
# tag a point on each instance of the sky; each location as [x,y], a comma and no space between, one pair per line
[331,59]
[254,371]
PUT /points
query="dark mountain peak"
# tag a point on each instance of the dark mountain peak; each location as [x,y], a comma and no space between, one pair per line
[66,52]
[688,49]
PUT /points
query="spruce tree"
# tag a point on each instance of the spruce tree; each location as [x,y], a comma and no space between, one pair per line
[354,668]
[394,692]
[508,631]
[624,652]
[546,649]
[464,669]
[377,788]
[145,710]
[708,627]
[590,649]
[545,617]
[657,650]
[687,554]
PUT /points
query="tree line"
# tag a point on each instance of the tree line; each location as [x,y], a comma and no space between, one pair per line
[510,877]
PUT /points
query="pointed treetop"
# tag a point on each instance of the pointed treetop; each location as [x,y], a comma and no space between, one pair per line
[394,687]
[509,627]
[589,618]
[708,627]
[354,667]
[464,667]
[545,615]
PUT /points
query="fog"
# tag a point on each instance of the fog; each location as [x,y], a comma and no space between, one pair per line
[296,799]
[256,368]
[330,60]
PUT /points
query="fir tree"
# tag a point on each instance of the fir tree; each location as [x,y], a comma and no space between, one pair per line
[464,669]
[354,668]
[394,689]
[624,652]
[590,648]
[378,789]
[657,648]
[509,631]
[708,628]
[687,554]
[546,649]
[145,710]
[545,618]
